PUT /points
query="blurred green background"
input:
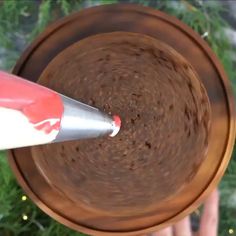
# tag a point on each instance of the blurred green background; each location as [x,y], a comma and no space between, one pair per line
[22,20]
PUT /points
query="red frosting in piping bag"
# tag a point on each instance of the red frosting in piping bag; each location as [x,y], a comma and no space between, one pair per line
[42,107]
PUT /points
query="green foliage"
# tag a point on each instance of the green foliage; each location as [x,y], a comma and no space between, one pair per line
[49,10]
[22,20]
[9,201]
[103,2]
[44,17]
[65,6]
[11,13]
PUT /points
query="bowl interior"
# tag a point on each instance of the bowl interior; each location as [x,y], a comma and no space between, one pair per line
[165,116]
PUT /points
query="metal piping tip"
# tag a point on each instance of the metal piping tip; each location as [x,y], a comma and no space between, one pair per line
[81,121]
[116,124]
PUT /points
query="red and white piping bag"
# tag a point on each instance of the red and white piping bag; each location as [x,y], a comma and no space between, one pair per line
[31,114]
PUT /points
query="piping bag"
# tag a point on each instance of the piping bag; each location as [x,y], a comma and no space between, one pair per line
[31,114]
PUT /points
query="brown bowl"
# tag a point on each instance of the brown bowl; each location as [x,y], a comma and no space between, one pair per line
[165,129]
[70,181]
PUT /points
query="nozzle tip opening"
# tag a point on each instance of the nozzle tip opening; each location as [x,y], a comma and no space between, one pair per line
[116,125]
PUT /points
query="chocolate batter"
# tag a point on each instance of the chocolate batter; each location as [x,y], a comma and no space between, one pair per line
[165,116]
